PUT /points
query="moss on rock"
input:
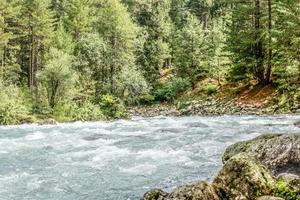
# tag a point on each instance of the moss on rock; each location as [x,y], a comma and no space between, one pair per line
[243,177]
[280,153]
[197,191]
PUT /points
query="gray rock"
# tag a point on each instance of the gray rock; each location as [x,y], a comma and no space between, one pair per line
[243,177]
[155,194]
[280,153]
[48,122]
[197,191]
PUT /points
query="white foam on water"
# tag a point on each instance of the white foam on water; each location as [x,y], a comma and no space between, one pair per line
[139,169]
[121,159]
[35,136]
[170,155]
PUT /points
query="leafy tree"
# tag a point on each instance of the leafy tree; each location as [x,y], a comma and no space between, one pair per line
[92,64]
[132,85]
[57,77]
[119,33]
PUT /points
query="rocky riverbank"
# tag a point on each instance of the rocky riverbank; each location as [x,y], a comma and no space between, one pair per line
[265,168]
[210,107]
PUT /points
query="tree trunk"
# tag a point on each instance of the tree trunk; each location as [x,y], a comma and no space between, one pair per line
[270,53]
[258,45]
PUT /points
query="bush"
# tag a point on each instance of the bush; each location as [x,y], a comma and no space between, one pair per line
[71,111]
[209,89]
[168,91]
[88,112]
[131,85]
[11,105]
[286,79]
[146,99]
[112,107]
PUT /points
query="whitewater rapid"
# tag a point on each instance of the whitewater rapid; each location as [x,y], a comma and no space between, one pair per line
[120,160]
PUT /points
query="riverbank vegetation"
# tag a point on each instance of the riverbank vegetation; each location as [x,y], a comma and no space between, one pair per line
[89,59]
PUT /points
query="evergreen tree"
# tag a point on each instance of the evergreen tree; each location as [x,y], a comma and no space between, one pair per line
[9,33]
[154,18]
[119,33]
[37,25]
[249,40]
[190,50]
[78,17]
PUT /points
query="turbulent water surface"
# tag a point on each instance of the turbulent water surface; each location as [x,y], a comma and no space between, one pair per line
[120,160]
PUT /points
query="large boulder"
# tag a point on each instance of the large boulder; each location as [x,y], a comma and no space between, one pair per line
[261,168]
[243,177]
[197,191]
[280,153]
[155,194]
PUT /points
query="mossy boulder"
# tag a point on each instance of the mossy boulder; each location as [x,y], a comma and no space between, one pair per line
[243,177]
[265,168]
[155,194]
[196,191]
[280,153]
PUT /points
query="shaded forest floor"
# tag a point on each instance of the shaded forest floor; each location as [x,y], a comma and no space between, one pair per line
[231,99]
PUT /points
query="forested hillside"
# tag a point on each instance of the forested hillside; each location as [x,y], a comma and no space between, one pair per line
[89,59]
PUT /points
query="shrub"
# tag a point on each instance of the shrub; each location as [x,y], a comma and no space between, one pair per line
[168,91]
[131,85]
[209,89]
[11,105]
[71,111]
[112,107]
[88,112]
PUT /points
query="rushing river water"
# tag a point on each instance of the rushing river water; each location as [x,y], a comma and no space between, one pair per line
[120,160]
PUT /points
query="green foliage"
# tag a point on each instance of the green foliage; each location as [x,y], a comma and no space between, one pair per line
[77,17]
[11,104]
[286,79]
[132,85]
[65,54]
[153,17]
[88,112]
[190,51]
[91,62]
[209,89]
[112,107]
[282,190]
[168,91]
[70,111]
[58,76]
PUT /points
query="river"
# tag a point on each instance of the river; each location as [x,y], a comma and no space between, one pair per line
[120,160]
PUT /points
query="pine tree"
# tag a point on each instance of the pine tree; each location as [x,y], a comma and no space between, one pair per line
[250,40]
[190,51]
[37,27]
[287,42]
[119,33]
[154,19]
[78,17]
[9,33]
